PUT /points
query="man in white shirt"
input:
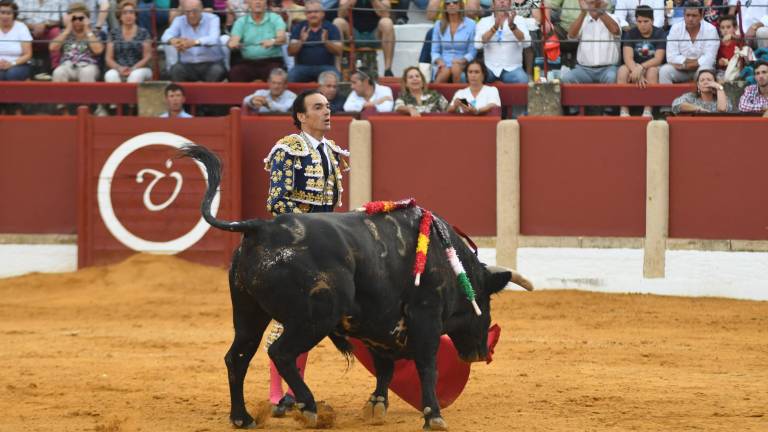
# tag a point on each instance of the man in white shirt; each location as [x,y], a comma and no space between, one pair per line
[275,99]
[625,12]
[367,94]
[503,36]
[691,46]
[598,53]
[755,16]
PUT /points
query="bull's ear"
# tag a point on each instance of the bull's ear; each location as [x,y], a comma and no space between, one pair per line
[498,279]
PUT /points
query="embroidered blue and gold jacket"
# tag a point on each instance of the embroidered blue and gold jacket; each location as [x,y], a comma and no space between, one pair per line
[297,183]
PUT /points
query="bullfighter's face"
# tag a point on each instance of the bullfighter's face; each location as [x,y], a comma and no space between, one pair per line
[317,118]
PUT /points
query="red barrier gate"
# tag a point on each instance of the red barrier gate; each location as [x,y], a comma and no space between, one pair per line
[38,175]
[582,176]
[135,197]
[718,181]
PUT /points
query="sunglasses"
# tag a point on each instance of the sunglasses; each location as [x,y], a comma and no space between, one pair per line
[78,18]
[450,2]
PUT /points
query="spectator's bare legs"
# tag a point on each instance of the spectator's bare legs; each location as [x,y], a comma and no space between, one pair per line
[652,76]
[457,68]
[622,77]
[386,33]
[443,73]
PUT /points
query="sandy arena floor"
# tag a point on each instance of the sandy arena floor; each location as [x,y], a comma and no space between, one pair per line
[139,346]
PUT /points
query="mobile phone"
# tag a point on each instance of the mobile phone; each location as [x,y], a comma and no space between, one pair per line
[464,101]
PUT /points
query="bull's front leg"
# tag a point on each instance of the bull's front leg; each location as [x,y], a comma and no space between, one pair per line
[423,342]
[376,408]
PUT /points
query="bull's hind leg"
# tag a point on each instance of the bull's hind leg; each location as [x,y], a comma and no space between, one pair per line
[376,408]
[250,322]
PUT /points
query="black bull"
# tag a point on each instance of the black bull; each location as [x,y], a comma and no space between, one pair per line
[348,274]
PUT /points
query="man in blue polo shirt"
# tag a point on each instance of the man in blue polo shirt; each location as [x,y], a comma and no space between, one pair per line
[315,43]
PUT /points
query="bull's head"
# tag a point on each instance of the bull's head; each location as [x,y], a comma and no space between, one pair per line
[469,332]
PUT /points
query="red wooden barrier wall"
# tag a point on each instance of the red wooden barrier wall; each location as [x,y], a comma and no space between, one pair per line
[38,175]
[107,142]
[582,176]
[718,178]
[447,163]
[260,133]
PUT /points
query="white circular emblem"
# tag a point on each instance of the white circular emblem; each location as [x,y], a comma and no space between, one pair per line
[104,197]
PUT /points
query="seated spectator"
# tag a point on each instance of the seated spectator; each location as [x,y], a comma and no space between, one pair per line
[43,18]
[643,51]
[755,97]
[691,46]
[625,12]
[675,14]
[15,44]
[596,59]
[79,48]
[259,36]
[329,86]
[129,48]
[452,43]
[755,19]
[366,93]
[729,43]
[315,44]
[236,9]
[714,10]
[709,96]
[478,98]
[530,12]
[503,36]
[559,15]
[373,26]
[195,35]
[161,14]
[415,99]
[276,99]
[174,100]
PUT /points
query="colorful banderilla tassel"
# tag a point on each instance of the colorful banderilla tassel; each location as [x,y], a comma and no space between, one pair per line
[374,207]
[461,277]
[422,244]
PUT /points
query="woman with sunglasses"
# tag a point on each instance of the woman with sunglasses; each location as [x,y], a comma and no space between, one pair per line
[79,47]
[453,45]
[129,48]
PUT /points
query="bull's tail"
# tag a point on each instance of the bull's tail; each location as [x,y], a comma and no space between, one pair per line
[212,165]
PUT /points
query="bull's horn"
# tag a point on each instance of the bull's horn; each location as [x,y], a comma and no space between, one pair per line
[517,278]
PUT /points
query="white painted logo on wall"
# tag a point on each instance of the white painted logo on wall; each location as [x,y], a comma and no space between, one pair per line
[104,195]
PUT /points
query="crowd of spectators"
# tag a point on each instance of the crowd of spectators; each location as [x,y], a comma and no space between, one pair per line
[280,41]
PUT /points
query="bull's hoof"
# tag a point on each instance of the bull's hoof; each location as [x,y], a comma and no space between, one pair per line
[375,410]
[243,423]
[248,422]
[324,418]
[436,424]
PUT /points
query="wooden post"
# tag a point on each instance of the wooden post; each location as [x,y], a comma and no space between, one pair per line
[361,163]
[656,199]
[507,192]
